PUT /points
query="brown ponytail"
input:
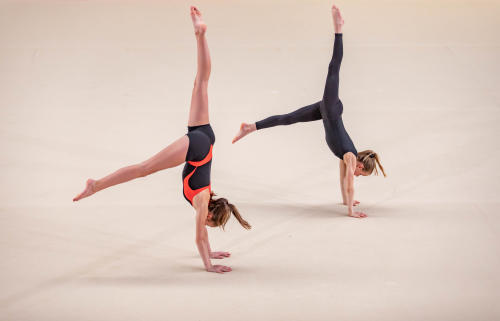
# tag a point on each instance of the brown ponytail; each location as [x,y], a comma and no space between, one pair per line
[370,161]
[221,212]
[240,219]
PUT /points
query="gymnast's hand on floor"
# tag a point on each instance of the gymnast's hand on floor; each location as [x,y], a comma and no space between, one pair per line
[219,269]
[358,215]
[219,255]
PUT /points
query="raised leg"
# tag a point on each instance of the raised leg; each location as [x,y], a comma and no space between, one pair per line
[171,156]
[304,114]
[331,93]
[198,113]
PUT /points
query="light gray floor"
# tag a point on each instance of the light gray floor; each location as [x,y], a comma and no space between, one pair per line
[87,87]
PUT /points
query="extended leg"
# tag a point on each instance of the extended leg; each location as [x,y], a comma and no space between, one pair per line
[171,156]
[198,113]
[304,114]
[331,93]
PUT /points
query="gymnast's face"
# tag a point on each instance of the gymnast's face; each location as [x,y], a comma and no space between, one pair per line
[209,221]
[359,171]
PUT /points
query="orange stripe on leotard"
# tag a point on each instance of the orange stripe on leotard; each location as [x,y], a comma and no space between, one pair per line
[188,191]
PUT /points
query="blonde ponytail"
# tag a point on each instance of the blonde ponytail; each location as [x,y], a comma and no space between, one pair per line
[379,165]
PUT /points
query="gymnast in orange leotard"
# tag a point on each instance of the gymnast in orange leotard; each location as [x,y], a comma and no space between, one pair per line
[195,149]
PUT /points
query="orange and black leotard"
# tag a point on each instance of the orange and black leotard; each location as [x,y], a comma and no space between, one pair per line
[196,173]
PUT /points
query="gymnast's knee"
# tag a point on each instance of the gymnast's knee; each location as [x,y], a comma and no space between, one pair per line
[200,83]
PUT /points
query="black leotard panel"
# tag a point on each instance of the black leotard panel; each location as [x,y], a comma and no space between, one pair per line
[196,172]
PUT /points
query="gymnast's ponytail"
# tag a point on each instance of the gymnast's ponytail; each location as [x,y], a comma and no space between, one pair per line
[221,211]
[240,219]
[370,160]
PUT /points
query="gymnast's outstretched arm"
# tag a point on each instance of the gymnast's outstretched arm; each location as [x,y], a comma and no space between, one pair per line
[350,166]
[343,185]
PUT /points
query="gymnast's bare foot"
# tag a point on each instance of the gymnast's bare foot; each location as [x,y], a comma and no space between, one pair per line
[338,21]
[245,129]
[354,203]
[89,190]
[199,26]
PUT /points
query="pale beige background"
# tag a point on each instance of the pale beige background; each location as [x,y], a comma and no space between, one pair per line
[87,87]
